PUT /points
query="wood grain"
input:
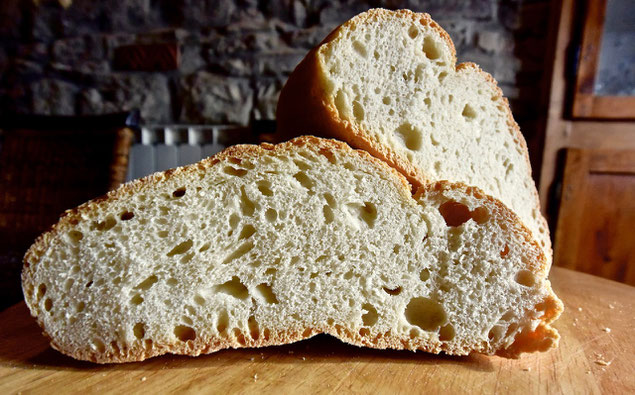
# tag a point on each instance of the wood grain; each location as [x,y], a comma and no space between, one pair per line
[597,212]
[561,131]
[325,365]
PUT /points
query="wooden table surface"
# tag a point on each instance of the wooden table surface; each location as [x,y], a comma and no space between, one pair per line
[596,355]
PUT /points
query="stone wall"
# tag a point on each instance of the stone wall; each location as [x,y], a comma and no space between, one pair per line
[235,56]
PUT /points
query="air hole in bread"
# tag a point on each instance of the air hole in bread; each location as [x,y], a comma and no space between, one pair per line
[430,48]
[264,186]
[89,284]
[199,300]
[240,338]
[304,180]
[139,330]
[455,213]
[360,48]
[136,299]
[222,322]
[48,304]
[468,112]
[79,307]
[172,281]
[41,291]
[348,275]
[68,284]
[247,231]
[106,224]
[233,288]
[386,100]
[425,313]
[204,247]
[414,332]
[115,347]
[301,164]
[147,283]
[392,291]
[370,318]
[526,278]
[413,32]
[181,248]
[376,55]
[239,252]
[232,171]
[271,271]
[409,136]
[505,251]
[480,215]
[180,192]
[98,345]
[271,215]
[187,320]
[184,333]
[265,292]
[368,213]
[126,216]
[254,330]
[442,76]
[358,111]
[247,206]
[328,214]
[447,333]
[75,236]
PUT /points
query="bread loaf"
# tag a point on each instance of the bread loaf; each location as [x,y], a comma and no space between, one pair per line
[387,82]
[265,245]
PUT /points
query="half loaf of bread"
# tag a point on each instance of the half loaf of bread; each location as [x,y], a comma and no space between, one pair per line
[387,82]
[265,245]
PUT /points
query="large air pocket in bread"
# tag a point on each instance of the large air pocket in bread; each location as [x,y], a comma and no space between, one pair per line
[265,245]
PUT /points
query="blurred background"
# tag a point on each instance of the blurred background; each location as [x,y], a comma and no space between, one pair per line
[124,88]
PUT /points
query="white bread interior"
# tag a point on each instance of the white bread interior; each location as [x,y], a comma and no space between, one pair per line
[387,82]
[265,245]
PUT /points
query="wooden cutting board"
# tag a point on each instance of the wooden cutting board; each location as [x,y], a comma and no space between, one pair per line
[596,355]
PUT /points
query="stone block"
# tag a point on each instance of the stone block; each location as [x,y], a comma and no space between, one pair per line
[266,99]
[494,41]
[211,98]
[126,91]
[52,97]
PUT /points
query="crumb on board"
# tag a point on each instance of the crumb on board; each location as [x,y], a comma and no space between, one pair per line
[144,378]
[252,359]
[607,330]
[600,360]
[255,376]
[526,369]
[611,306]
[304,358]
[579,308]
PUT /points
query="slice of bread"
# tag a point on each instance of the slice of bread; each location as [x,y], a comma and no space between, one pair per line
[265,245]
[387,82]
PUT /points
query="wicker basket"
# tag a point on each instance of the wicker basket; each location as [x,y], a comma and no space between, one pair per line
[48,165]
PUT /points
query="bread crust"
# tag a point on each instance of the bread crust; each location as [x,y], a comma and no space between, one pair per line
[541,339]
[304,106]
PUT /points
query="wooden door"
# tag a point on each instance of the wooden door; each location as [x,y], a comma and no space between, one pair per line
[596,221]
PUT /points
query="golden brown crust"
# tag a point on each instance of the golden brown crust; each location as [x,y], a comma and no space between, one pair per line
[305,107]
[121,353]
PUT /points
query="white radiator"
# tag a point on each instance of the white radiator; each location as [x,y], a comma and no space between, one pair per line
[158,148]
